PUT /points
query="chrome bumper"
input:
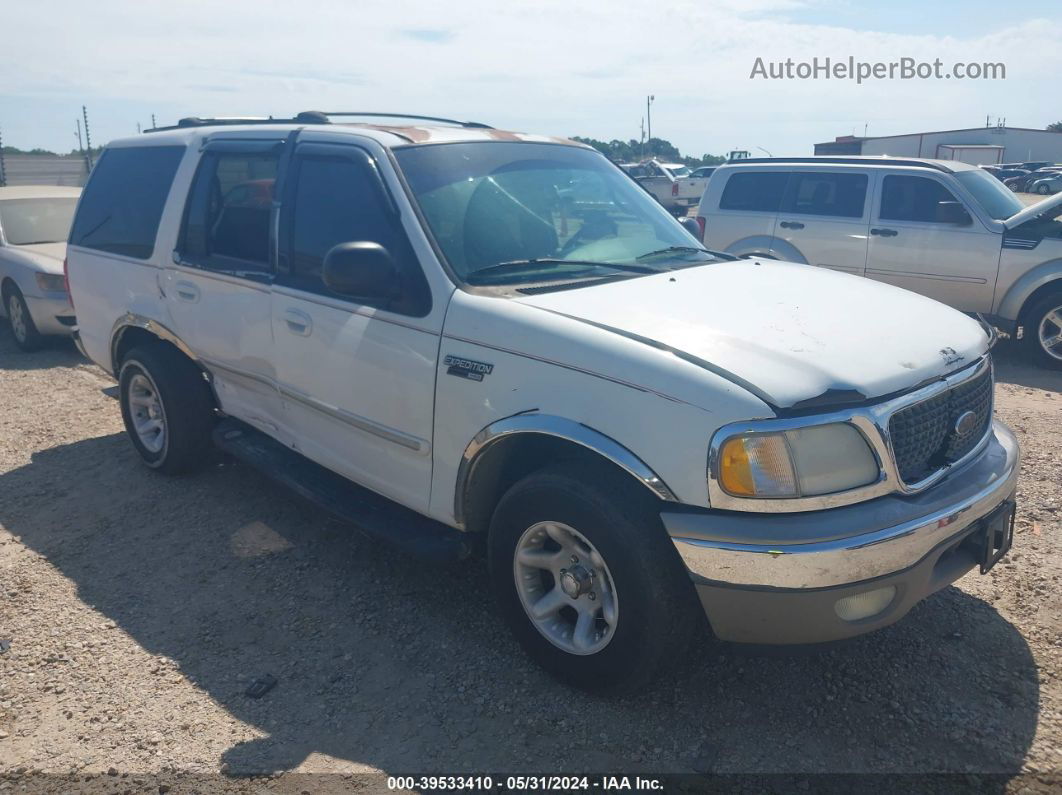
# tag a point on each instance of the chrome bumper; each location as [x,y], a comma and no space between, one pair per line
[839,546]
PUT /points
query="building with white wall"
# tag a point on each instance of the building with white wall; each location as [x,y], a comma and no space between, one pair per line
[977,145]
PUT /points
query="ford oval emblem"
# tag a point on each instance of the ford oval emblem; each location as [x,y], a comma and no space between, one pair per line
[965,423]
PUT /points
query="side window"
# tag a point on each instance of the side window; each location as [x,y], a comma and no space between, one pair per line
[339,200]
[906,198]
[226,224]
[122,204]
[754,190]
[841,195]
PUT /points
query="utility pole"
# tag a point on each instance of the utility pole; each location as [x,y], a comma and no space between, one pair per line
[3,174]
[88,140]
[649,120]
[153,124]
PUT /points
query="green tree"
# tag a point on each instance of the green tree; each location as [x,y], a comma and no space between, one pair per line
[1055,126]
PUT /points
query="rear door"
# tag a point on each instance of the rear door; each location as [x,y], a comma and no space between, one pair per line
[743,221]
[357,378]
[912,244]
[218,285]
[824,219]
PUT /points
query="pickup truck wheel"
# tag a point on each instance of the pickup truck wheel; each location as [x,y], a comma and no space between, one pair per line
[23,330]
[167,409]
[1043,329]
[588,580]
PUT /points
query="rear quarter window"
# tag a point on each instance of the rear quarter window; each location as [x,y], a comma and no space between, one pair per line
[122,204]
[760,191]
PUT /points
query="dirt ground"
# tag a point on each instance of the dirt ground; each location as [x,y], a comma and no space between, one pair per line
[139,608]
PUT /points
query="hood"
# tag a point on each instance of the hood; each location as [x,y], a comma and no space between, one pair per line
[794,335]
[1049,207]
[47,257]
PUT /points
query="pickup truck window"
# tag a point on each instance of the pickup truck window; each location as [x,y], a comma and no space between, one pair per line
[760,191]
[565,211]
[122,203]
[906,198]
[226,224]
[823,193]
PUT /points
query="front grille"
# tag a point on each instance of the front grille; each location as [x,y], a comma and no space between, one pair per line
[924,437]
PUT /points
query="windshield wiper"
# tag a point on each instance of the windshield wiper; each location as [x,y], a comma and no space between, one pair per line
[37,242]
[524,264]
[673,250]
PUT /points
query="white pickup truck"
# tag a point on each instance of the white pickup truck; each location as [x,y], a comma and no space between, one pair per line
[460,338]
[671,184]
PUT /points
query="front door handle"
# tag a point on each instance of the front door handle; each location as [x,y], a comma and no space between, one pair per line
[187,291]
[791,225]
[884,232]
[298,322]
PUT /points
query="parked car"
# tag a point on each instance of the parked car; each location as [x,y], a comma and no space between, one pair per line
[34,224]
[1047,184]
[671,184]
[448,333]
[1033,165]
[1006,173]
[944,229]
[703,172]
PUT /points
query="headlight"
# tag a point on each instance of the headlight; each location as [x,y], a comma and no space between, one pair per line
[805,462]
[53,282]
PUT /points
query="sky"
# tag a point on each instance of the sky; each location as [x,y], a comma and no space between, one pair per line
[557,67]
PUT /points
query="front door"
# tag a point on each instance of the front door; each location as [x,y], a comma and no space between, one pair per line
[921,240]
[357,377]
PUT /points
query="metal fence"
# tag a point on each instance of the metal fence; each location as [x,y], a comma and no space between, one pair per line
[44,170]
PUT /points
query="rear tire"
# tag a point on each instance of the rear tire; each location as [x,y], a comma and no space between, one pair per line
[167,408]
[1042,323]
[23,329]
[616,557]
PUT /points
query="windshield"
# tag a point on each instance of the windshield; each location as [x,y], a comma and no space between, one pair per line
[993,196]
[29,221]
[507,213]
[678,172]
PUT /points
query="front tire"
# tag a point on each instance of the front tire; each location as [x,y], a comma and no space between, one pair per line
[1043,330]
[23,329]
[167,408]
[1043,190]
[588,580]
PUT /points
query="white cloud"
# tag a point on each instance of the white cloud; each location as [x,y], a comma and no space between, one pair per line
[544,66]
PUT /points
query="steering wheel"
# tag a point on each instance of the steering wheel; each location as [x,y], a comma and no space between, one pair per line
[596,226]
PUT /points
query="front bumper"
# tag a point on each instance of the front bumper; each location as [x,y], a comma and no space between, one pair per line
[775,578]
[51,312]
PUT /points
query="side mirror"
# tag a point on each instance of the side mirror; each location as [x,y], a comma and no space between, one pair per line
[361,270]
[691,226]
[953,213]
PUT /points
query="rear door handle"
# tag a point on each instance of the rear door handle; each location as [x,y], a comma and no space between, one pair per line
[884,232]
[187,291]
[791,225]
[298,322]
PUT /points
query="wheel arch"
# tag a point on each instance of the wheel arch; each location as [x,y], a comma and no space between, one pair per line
[514,447]
[1045,277]
[131,329]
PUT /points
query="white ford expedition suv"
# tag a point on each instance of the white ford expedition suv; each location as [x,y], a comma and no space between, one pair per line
[453,335]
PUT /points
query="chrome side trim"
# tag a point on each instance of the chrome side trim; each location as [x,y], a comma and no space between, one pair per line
[238,374]
[872,422]
[410,442]
[862,555]
[559,427]
[132,320]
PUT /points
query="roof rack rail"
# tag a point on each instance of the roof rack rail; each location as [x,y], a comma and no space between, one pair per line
[860,160]
[474,124]
[306,117]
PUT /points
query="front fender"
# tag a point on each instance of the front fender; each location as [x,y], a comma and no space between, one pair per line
[1009,307]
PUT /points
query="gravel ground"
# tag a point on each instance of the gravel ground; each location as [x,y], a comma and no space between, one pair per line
[140,607]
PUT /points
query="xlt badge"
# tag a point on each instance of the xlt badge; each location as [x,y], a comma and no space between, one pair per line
[467,368]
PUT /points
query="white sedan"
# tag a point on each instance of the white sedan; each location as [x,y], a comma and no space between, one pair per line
[34,224]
